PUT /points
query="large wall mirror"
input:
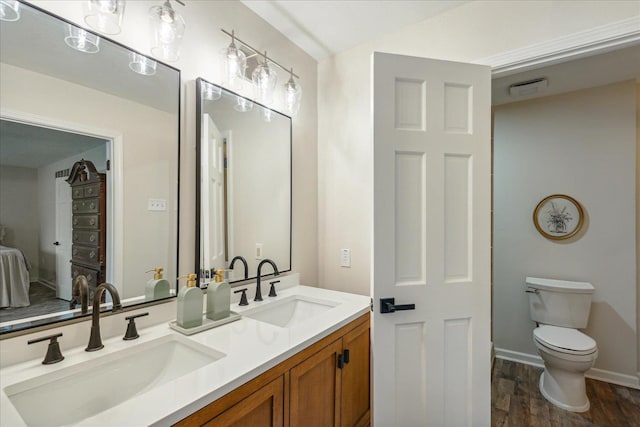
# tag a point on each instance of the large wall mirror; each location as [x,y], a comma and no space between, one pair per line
[243,184]
[72,97]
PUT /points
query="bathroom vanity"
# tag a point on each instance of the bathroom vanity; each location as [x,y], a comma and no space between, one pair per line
[303,354]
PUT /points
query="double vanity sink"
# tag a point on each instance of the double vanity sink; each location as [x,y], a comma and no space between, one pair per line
[164,376]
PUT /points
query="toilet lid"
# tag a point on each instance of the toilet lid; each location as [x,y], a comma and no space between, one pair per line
[564,339]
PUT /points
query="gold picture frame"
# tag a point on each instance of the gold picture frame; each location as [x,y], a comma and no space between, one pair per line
[558,217]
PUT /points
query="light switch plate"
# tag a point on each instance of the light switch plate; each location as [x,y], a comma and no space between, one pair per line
[157,205]
[345,257]
[259,251]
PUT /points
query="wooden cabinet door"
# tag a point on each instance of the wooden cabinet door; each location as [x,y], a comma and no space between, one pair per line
[262,408]
[356,399]
[315,387]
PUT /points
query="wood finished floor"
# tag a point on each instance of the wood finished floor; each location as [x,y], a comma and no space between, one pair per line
[516,401]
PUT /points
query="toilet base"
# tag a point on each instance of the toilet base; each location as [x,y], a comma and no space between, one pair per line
[579,390]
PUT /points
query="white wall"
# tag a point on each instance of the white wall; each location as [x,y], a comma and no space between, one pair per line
[200,58]
[582,144]
[475,30]
[20,217]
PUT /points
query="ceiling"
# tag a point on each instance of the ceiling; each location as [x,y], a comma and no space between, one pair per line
[325,27]
[27,146]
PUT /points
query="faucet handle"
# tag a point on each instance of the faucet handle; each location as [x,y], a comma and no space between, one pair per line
[243,297]
[132,332]
[54,355]
[272,291]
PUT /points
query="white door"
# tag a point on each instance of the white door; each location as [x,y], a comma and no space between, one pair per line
[212,238]
[63,239]
[431,242]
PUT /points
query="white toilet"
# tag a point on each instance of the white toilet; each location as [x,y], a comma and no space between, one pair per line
[559,307]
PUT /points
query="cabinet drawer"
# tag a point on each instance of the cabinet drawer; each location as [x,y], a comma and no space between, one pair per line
[87,238]
[91,222]
[84,191]
[94,277]
[86,206]
[85,254]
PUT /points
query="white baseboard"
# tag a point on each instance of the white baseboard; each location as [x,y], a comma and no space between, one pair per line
[49,284]
[595,373]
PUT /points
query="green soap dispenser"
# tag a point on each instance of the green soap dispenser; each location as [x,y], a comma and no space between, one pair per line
[219,297]
[157,287]
[189,303]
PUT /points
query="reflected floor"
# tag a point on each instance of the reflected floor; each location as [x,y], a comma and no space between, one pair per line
[517,401]
[43,301]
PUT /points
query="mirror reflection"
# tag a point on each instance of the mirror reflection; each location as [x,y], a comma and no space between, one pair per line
[243,151]
[89,143]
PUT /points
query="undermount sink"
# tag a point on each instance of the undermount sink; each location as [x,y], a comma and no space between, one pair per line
[290,311]
[68,396]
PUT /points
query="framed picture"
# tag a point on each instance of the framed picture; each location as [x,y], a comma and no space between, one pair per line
[558,217]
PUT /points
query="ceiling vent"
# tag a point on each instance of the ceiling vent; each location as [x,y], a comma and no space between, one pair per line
[529,87]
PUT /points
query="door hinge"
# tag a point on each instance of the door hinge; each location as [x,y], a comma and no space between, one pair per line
[371,304]
[108,165]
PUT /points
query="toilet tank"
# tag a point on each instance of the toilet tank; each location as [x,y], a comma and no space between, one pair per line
[559,302]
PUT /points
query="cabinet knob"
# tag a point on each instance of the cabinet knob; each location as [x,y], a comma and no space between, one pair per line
[92,221]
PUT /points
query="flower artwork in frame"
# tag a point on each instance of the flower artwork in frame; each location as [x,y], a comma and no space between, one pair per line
[558,217]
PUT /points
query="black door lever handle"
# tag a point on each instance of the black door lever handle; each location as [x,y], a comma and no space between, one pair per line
[387,305]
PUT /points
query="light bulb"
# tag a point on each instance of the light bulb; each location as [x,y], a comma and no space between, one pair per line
[292,96]
[167,29]
[265,79]
[104,15]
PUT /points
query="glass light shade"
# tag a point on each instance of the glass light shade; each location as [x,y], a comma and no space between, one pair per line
[292,97]
[167,29]
[267,114]
[234,62]
[104,15]
[265,79]
[142,65]
[82,40]
[9,10]
[210,92]
[243,104]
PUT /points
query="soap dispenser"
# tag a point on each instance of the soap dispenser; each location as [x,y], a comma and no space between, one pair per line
[189,303]
[157,287]
[219,297]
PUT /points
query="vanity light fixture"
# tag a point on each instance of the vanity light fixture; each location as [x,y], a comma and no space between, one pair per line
[264,79]
[9,10]
[235,62]
[264,76]
[243,104]
[82,40]
[104,16]
[167,30]
[142,65]
[210,92]
[292,95]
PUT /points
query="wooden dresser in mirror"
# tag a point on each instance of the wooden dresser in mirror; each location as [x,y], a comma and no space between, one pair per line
[89,207]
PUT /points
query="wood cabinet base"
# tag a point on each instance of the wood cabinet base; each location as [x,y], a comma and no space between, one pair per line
[326,384]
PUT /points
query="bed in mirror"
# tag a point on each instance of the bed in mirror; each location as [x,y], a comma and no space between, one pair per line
[243,185]
[71,97]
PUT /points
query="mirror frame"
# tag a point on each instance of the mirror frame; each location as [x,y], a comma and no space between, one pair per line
[199,101]
[29,326]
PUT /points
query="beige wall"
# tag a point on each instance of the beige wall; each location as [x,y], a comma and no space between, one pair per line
[582,144]
[638,216]
[475,30]
[200,57]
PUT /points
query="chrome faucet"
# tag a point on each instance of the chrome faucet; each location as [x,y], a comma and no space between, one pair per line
[275,271]
[95,341]
[80,293]
[244,262]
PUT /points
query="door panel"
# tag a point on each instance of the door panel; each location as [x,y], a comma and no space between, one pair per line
[431,242]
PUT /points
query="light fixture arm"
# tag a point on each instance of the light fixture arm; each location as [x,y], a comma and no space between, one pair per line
[264,55]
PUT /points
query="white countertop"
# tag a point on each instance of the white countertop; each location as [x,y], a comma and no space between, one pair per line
[250,348]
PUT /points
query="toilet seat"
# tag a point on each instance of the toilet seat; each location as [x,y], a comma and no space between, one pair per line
[564,340]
